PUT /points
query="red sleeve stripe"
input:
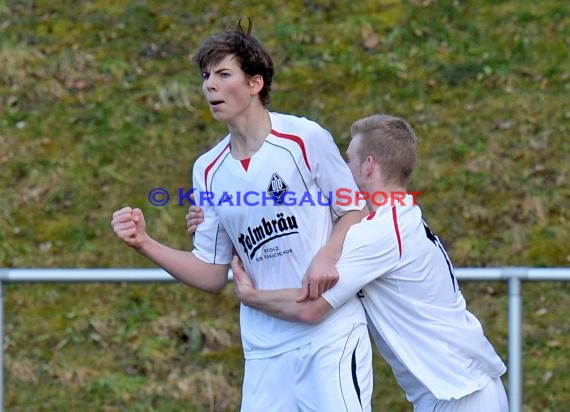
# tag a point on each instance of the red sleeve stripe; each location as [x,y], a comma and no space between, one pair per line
[209,167]
[297,140]
[395,219]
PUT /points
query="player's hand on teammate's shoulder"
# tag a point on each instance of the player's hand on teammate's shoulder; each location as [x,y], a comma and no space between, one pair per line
[194,217]
[320,276]
[129,226]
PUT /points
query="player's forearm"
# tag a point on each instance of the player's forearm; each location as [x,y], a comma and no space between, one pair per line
[282,304]
[334,245]
[185,266]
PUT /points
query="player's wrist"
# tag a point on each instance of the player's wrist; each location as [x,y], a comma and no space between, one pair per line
[331,250]
[250,296]
[144,245]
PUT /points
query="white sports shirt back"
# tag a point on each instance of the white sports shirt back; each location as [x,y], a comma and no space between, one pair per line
[416,311]
[300,165]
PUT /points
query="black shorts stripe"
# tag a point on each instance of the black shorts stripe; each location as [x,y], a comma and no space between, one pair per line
[354,376]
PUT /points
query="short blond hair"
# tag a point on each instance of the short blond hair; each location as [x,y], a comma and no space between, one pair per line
[391,141]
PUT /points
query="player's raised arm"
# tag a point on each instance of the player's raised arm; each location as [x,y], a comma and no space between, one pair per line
[331,174]
[129,225]
[322,273]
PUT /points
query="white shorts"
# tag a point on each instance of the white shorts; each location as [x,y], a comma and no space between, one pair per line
[492,398]
[333,377]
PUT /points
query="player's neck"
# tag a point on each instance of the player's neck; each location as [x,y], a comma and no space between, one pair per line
[384,195]
[248,133]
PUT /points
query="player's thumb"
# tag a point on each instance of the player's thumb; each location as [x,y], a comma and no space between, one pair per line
[304,292]
[138,217]
[236,268]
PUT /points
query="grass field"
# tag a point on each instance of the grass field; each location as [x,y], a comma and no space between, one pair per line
[99,104]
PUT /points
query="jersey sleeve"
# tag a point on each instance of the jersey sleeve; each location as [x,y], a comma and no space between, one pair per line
[211,241]
[367,254]
[331,171]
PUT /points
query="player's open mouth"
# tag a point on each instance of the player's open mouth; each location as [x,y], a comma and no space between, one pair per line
[214,103]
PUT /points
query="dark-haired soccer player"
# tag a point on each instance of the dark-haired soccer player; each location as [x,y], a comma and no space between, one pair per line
[290,366]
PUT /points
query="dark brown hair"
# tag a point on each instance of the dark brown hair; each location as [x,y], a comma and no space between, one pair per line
[252,57]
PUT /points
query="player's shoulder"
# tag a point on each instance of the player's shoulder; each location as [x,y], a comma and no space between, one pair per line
[408,213]
[213,154]
[372,236]
[372,224]
[294,125]
[382,223]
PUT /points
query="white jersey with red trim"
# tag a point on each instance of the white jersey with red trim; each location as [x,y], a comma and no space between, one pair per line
[277,211]
[417,314]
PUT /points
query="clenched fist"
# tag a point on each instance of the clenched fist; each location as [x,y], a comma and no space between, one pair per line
[129,226]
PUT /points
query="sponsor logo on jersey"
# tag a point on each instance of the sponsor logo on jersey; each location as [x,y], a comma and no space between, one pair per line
[268,229]
[277,188]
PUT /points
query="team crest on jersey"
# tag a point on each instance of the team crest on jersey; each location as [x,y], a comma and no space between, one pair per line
[277,188]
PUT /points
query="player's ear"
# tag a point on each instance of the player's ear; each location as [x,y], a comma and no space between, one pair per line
[369,165]
[256,84]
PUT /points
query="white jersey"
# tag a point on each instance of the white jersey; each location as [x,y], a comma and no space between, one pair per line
[417,314]
[300,166]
